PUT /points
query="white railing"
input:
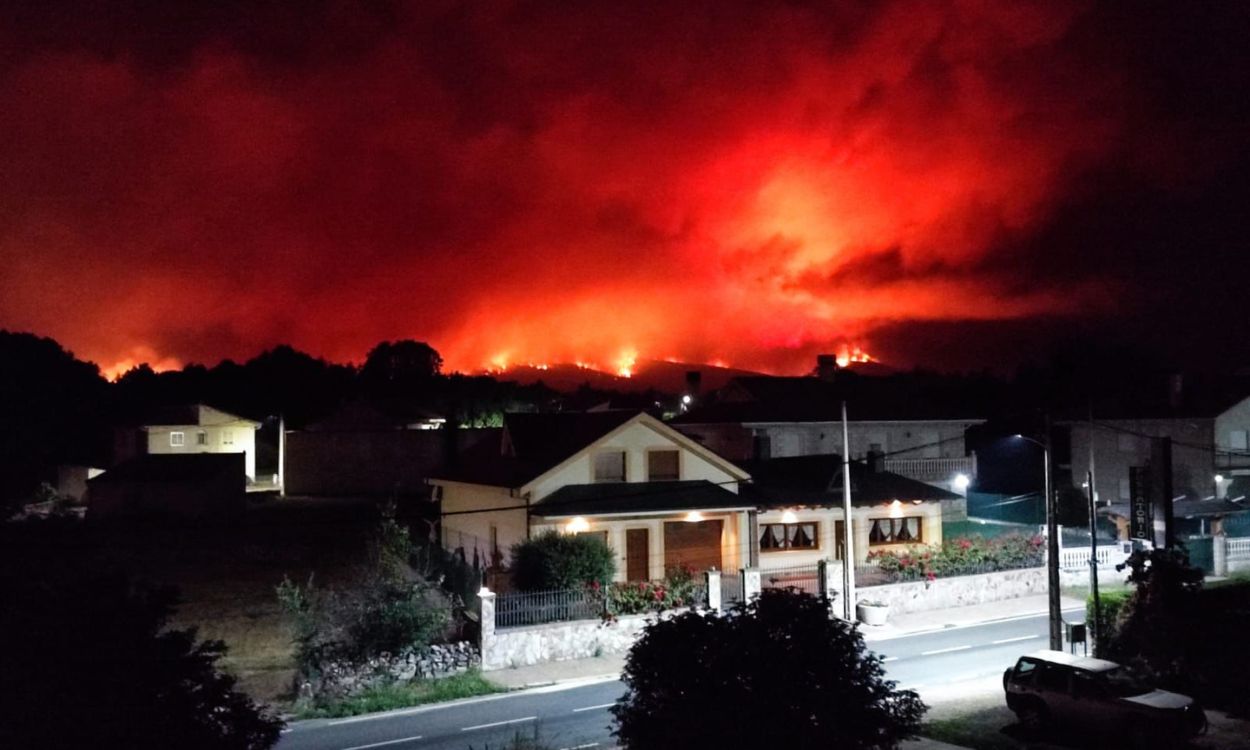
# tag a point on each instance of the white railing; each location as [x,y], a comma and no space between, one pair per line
[1078,557]
[932,469]
[1239,548]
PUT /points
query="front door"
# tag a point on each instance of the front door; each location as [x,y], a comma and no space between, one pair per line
[637,554]
[696,545]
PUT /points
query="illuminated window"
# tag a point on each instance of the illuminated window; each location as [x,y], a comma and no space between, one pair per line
[610,466]
[895,530]
[775,537]
[663,466]
[201,438]
[177,439]
[227,437]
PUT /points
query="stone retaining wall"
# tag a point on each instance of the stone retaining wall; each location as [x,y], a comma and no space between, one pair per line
[557,641]
[961,591]
[341,679]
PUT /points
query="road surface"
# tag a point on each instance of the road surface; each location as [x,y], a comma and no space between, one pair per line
[577,717]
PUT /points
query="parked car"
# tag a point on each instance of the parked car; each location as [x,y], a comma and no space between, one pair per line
[1052,689]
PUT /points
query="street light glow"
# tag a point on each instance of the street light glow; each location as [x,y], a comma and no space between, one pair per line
[961,482]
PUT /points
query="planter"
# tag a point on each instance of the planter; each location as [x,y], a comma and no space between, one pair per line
[872,614]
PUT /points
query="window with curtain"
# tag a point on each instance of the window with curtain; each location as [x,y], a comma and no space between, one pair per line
[775,537]
[905,530]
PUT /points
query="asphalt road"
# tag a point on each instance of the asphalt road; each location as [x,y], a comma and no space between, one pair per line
[577,717]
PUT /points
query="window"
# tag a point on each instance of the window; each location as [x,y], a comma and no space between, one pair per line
[783,536]
[663,466]
[930,445]
[1053,677]
[201,438]
[895,530]
[1025,671]
[227,437]
[761,447]
[1126,489]
[610,466]
[1239,440]
[177,439]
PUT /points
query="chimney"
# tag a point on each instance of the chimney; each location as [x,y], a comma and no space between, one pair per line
[876,462]
[826,367]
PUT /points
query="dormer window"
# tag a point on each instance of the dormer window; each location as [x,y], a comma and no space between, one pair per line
[610,466]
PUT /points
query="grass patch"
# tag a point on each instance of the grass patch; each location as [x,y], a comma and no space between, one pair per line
[981,729]
[404,695]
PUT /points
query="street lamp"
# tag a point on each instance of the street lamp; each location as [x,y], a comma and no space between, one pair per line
[1052,547]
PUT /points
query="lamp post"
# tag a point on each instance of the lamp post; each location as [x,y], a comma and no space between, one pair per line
[1052,547]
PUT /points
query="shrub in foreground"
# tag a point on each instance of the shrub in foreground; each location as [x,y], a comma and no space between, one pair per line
[777,672]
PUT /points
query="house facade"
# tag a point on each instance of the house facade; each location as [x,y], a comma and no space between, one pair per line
[660,499]
[202,429]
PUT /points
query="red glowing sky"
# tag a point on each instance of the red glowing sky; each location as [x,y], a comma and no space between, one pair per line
[522,184]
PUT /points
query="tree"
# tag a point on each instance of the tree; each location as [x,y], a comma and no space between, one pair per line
[1156,625]
[88,662]
[400,367]
[777,672]
[561,561]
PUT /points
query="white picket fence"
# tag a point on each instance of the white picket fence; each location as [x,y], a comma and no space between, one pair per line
[1239,549]
[1108,555]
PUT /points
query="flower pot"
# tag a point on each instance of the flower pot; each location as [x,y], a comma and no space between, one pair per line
[871,614]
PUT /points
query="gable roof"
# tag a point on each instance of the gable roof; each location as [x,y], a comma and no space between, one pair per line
[811,399]
[626,498]
[531,445]
[817,480]
[180,415]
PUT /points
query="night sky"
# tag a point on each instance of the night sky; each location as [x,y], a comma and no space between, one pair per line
[952,184]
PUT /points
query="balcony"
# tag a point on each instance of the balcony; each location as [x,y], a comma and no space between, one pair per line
[932,470]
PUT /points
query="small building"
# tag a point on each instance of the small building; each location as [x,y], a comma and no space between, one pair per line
[190,429]
[193,485]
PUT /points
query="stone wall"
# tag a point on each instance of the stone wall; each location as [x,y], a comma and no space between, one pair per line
[558,641]
[961,591]
[338,680]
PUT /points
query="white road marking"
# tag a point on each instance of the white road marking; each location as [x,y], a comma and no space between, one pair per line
[581,747]
[498,723]
[889,658]
[593,708]
[945,650]
[1018,638]
[383,744]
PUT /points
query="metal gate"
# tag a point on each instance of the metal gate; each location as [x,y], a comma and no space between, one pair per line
[806,578]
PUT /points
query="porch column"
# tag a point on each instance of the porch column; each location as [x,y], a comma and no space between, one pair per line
[753,539]
[829,579]
[712,578]
[1219,545]
[486,629]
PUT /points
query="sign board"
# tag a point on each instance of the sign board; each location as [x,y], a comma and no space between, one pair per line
[1141,507]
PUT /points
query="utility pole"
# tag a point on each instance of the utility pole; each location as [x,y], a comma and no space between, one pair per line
[1093,534]
[848,543]
[1052,551]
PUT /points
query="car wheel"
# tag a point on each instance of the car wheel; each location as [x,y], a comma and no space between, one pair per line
[1033,718]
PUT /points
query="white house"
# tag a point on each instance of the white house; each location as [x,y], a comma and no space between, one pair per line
[202,429]
[660,499]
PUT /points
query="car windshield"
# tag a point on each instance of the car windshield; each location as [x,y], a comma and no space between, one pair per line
[1123,683]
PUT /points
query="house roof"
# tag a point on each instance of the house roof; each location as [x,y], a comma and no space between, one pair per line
[810,399]
[529,445]
[624,498]
[191,414]
[817,480]
[173,467]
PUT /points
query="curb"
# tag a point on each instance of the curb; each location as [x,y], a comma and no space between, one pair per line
[958,626]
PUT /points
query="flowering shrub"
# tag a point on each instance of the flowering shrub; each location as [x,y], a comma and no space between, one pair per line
[962,556]
[678,589]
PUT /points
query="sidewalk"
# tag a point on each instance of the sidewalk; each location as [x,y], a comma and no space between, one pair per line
[977,614]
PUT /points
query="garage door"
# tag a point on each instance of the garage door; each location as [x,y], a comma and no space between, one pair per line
[696,545]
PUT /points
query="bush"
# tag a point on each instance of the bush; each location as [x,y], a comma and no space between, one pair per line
[962,556]
[1156,623]
[678,589]
[1111,605]
[386,608]
[561,561]
[87,661]
[779,671]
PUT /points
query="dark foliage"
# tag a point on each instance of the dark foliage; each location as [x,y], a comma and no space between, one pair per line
[87,662]
[561,561]
[778,672]
[398,368]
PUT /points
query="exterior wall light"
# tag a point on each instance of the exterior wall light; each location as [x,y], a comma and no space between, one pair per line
[789,517]
[961,482]
[577,525]
[694,516]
